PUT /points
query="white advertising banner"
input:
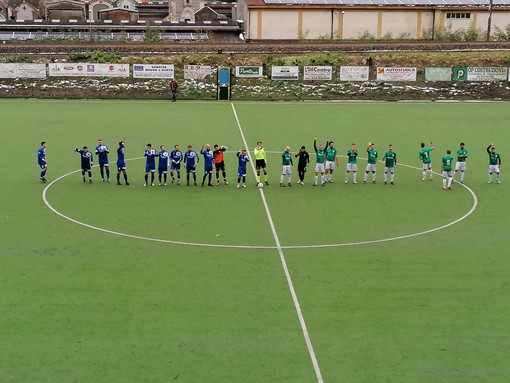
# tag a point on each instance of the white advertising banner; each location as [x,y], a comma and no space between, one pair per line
[88,70]
[198,72]
[25,70]
[8,71]
[396,74]
[249,71]
[153,71]
[317,73]
[22,70]
[487,74]
[285,73]
[354,73]
[438,74]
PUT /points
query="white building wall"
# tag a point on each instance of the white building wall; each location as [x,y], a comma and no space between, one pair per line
[396,23]
[356,23]
[317,24]
[279,25]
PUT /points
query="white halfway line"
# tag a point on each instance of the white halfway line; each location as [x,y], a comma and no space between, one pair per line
[284,264]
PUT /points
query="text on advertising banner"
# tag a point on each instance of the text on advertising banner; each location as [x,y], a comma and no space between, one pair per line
[317,73]
[396,74]
[354,73]
[153,71]
[285,73]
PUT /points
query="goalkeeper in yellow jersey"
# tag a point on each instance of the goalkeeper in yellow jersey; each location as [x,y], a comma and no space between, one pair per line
[260,161]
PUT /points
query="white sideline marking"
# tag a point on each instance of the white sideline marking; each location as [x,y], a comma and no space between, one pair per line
[308,341]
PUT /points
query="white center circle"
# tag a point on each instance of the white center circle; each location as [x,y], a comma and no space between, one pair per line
[133,236]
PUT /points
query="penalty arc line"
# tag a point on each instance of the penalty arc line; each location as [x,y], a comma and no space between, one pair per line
[283,261]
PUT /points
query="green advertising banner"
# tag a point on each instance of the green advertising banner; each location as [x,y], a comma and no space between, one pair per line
[460,74]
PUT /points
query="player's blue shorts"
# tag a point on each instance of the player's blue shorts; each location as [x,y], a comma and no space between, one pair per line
[42,165]
[190,169]
[162,169]
[85,166]
[241,171]
[150,168]
[174,166]
[208,168]
[104,162]
[121,165]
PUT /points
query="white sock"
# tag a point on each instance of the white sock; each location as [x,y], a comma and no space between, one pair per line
[281,179]
[322,179]
[450,179]
[385,177]
[392,177]
[354,176]
[316,178]
[290,177]
[444,183]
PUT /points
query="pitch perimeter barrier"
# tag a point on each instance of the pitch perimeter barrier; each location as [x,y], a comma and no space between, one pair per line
[93,80]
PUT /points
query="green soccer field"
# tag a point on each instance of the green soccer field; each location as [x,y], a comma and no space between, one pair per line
[342,283]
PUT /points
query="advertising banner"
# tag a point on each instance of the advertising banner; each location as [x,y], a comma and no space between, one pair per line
[460,74]
[487,74]
[438,74]
[8,71]
[198,72]
[88,70]
[354,73]
[317,73]
[285,73]
[249,71]
[153,71]
[24,70]
[396,74]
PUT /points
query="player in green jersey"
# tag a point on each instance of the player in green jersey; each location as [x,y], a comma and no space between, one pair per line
[446,170]
[494,163]
[372,162]
[260,161]
[286,166]
[320,153]
[352,164]
[424,155]
[390,163]
[331,160]
[462,154]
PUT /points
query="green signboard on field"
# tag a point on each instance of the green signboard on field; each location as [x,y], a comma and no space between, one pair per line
[460,74]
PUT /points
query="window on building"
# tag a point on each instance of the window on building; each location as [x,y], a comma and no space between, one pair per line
[458,15]
[126,6]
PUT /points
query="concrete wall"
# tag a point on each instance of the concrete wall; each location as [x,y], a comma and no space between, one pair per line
[313,23]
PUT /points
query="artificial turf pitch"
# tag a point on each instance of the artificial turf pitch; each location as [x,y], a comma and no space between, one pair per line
[82,305]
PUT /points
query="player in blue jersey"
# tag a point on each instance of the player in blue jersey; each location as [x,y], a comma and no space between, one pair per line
[121,163]
[164,158]
[86,162]
[41,161]
[150,164]
[175,164]
[243,158]
[191,160]
[102,158]
[206,151]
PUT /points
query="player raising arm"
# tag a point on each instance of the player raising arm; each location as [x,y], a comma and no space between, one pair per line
[424,155]
[243,158]
[102,155]
[86,162]
[494,163]
[371,163]
[320,154]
